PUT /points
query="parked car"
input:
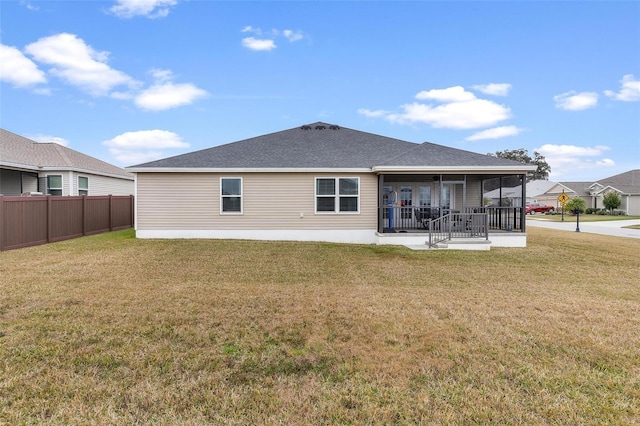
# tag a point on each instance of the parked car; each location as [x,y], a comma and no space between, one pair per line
[534,208]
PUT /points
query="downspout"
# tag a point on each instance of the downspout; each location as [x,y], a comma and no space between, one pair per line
[380,201]
[523,219]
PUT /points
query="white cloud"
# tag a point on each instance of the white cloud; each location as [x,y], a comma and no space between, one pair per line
[471,114]
[372,114]
[571,158]
[451,94]
[78,64]
[48,139]
[629,92]
[18,70]
[144,145]
[166,95]
[496,89]
[495,133]
[148,8]
[574,101]
[265,40]
[293,36]
[160,75]
[453,108]
[258,44]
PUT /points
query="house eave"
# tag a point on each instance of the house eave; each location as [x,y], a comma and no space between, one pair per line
[32,168]
[248,170]
[454,169]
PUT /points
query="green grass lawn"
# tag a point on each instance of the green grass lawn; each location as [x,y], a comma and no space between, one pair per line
[112,330]
[583,217]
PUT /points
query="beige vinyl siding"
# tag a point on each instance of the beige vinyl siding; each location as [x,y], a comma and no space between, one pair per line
[474,191]
[175,201]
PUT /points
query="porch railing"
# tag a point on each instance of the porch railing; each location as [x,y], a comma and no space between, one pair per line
[415,219]
[458,225]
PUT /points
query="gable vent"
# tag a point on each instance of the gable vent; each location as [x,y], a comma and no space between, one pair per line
[320,127]
[306,127]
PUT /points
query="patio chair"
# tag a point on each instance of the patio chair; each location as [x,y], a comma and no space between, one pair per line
[423,217]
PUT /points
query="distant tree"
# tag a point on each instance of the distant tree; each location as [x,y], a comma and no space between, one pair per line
[575,203]
[611,200]
[522,155]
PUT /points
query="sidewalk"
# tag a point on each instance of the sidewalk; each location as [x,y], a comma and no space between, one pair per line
[613,227]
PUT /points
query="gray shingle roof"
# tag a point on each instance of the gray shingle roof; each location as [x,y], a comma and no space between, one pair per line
[322,145]
[627,182]
[20,151]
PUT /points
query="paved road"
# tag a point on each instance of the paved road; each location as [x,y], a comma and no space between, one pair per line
[612,227]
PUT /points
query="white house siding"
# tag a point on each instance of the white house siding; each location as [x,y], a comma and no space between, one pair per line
[633,204]
[271,201]
[105,185]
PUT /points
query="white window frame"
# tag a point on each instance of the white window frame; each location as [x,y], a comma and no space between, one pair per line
[241,196]
[83,189]
[61,184]
[336,196]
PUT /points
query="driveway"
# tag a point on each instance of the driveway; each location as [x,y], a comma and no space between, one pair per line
[612,227]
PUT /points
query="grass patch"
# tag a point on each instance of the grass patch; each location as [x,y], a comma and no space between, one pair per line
[583,217]
[112,330]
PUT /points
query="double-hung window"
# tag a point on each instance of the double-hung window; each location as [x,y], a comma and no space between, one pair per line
[230,195]
[54,184]
[338,195]
[83,185]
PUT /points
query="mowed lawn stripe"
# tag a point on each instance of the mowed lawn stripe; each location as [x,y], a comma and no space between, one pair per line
[112,330]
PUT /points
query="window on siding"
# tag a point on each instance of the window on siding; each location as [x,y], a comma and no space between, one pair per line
[230,195]
[337,195]
[54,184]
[83,185]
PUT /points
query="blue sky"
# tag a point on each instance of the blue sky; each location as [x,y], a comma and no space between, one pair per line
[131,81]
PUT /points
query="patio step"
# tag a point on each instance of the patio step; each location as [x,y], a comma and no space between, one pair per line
[456,244]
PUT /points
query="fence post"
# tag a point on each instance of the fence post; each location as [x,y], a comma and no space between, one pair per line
[84,215]
[49,217]
[132,217]
[1,222]
[110,212]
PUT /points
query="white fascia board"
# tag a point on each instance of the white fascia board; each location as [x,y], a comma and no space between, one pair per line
[245,170]
[612,188]
[19,166]
[457,169]
[61,169]
[84,171]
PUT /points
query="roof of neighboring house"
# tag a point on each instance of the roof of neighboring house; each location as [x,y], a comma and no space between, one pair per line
[322,145]
[627,182]
[534,188]
[580,188]
[20,152]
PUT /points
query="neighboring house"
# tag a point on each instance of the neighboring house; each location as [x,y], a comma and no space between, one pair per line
[536,193]
[321,182]
[27,167]
[626,185]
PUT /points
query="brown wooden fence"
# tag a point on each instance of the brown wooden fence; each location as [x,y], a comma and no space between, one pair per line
[29,221]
